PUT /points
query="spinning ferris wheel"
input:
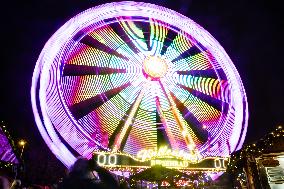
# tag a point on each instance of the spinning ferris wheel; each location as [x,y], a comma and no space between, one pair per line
[129,76]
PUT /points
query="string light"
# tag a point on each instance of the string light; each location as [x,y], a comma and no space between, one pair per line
[22,142]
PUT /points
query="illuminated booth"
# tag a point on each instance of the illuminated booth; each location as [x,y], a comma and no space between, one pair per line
[261,164]
[8,157]
[134,85]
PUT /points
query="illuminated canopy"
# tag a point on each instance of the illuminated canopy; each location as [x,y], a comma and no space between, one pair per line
[131,76]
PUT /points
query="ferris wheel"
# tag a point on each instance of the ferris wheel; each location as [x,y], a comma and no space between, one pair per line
[129,76]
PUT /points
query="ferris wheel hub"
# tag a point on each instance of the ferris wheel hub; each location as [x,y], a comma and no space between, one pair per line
[155,67]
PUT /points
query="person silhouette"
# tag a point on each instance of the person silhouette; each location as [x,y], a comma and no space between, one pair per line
[81,176]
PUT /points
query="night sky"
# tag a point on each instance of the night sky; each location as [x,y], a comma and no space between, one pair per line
[251,32]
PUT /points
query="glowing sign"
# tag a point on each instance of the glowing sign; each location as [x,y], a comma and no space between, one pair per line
[121,160]
[170,163]
[111,159]
[166,152]
[130,76]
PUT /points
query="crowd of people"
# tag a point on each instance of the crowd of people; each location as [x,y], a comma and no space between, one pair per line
[84,174]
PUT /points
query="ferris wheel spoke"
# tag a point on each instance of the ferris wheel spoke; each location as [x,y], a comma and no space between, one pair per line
[192,121]
[171,35]
[120,126]
[146,29]
[85,107]
[137,33]
[186,135]
[208,73]
[121,137]
[194,50]
[94,43]
[166,134]
[215,103]
[203,81]
[120,31]
[81,70]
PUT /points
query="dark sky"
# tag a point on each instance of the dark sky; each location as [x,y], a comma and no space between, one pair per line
[250,31]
